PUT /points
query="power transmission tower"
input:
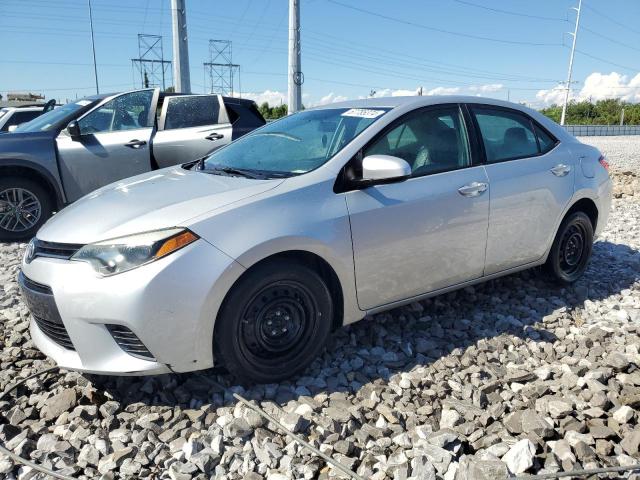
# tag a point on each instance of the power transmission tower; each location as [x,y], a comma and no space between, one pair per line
[221,68]
[150,63]
[296,78]
[180,47]
[573,51]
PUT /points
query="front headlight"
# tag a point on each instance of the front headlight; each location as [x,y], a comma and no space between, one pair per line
[121,254]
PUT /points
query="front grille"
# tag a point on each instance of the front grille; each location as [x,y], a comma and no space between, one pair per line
[37,287]
[54,250]
[129,342]
[42,305]
[55,331]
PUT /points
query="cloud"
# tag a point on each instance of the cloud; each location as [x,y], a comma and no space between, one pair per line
[389,92]
[272,97]
[597,86]
[490,88]
[329,98]
[552,96]
[443,91]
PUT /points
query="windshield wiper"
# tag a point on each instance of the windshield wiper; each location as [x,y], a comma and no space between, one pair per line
[232,171]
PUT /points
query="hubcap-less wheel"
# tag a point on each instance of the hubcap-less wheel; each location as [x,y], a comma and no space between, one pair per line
[277,323]
[20,209]
[572,249]
[274,321]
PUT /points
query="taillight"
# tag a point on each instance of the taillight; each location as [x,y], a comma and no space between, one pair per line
[604,163]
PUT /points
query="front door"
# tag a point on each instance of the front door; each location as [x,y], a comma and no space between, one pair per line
[531,176]
[190,127]
[428,232]
[114,143]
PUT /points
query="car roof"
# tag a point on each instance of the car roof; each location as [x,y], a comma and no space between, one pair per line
[417,100]
[24,107]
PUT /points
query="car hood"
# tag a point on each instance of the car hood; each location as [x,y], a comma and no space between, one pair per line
[18,145]
[154,200]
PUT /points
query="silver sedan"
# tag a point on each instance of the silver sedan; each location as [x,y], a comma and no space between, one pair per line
[251,256]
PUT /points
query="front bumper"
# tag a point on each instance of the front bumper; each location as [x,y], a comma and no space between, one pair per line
[170,305]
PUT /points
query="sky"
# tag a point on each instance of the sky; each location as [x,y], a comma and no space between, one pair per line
[508,49]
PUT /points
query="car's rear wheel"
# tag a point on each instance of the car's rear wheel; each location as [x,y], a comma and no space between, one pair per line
[571,249]
[24,206]
[273,323]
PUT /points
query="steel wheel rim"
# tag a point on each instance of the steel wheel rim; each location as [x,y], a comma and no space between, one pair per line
[20,209]
[572,249]
[277,324]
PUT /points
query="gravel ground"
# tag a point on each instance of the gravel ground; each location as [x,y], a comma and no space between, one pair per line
[623,152]
[512,376]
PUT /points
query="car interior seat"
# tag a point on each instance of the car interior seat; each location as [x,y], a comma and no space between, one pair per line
[515,142]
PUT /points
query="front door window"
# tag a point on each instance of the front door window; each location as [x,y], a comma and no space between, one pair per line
[125,112]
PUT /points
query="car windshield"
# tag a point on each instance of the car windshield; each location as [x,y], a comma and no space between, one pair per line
[48,120]
[295,144]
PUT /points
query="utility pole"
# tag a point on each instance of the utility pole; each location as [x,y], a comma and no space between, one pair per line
[296,78]
[573,51]
[93,47]
[180,47]
[622,117]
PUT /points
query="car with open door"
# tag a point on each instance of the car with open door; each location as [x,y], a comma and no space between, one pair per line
[64,154]
[252,256]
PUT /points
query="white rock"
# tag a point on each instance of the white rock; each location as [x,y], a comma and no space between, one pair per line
[449,419]
[623,414]
[520,456]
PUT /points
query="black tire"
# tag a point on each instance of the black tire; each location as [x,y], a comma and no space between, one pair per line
[571,249]
[273,323]
[12,230]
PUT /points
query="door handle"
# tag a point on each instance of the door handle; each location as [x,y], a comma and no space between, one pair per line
[214,136]
[473,189]
[135,143]
[560,170]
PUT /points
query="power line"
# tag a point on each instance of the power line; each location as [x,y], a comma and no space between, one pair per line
[612,40]
[440,30]
[626,67]
[613,20]
[508,12]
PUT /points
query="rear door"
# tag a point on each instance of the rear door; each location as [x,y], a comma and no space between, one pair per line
[190,127]
[114,143]
[531,176]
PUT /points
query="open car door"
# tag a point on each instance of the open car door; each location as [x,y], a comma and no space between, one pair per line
[109,142]
[190,127]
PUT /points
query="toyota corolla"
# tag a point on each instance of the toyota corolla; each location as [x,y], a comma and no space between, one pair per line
[250,257]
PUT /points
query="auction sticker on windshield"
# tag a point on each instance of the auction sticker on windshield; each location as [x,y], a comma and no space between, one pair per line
[363,113]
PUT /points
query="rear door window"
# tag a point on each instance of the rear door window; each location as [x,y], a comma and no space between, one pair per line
[191,111]
[506,134]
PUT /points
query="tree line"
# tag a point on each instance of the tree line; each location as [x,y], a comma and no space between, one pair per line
[602,112]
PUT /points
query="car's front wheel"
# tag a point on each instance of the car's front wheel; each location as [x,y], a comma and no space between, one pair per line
[273,323]
[571,249]
[24,206]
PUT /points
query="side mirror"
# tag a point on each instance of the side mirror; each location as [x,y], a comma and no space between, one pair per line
[74,130]
[12,128]
[384,169]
